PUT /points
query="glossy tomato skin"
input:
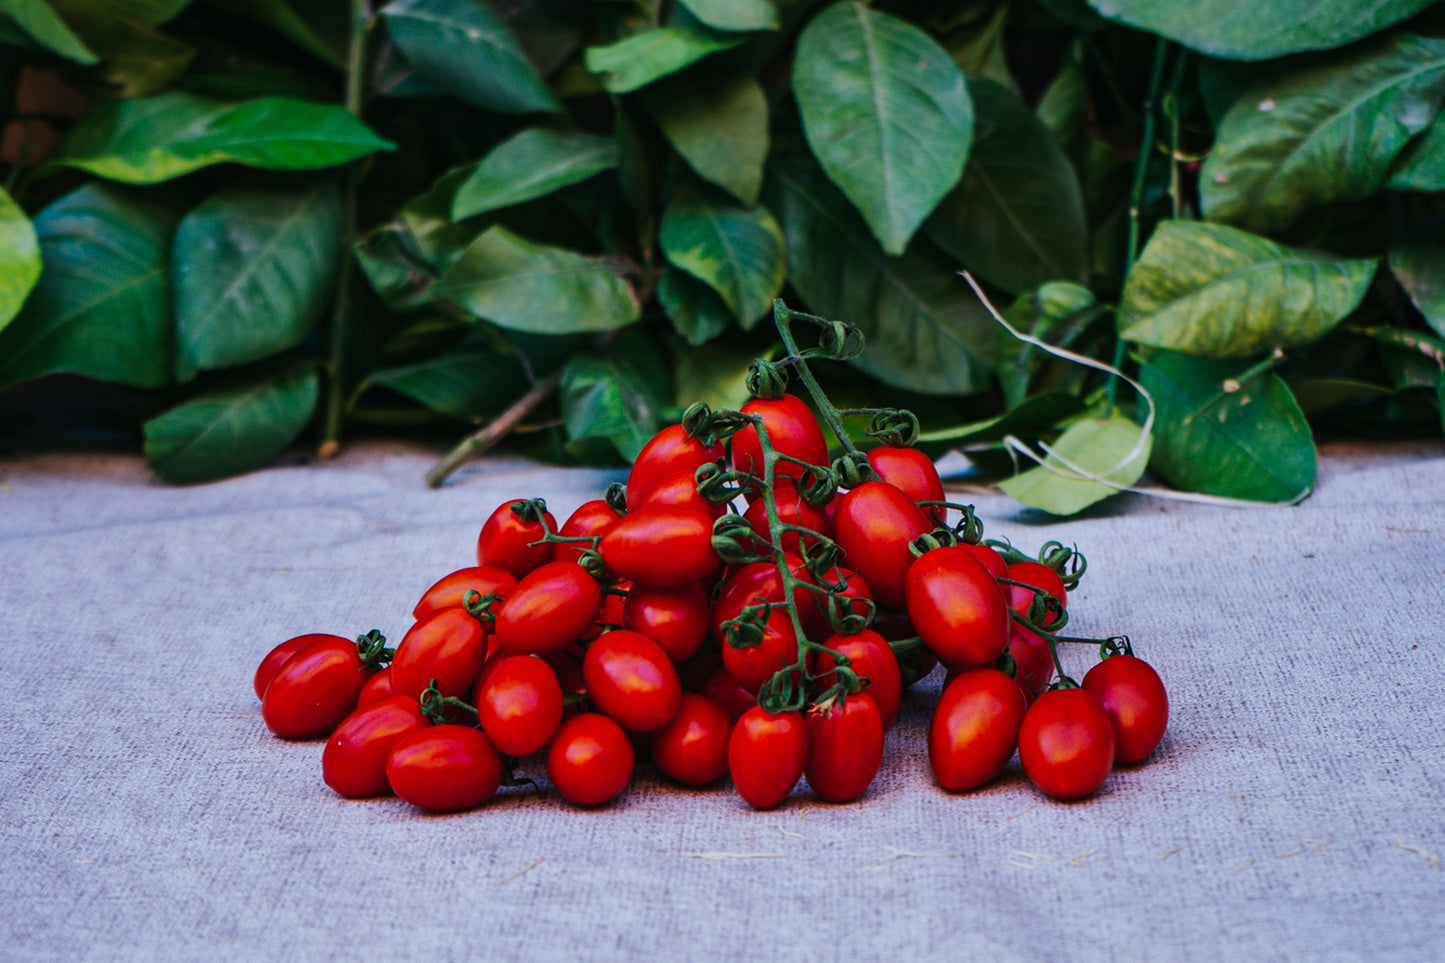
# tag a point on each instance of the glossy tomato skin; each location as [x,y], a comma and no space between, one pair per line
[959,609]
[1066,743]
[277,657]
[1039,576]
[449,646]
[792,510]
[508,542]
[679,490]
[354,760]
[662,546]
[378,687]
[1133,695]
[975,728]
[675,617]
[793,431]
[670,450]
[314,689]
[909,470]
[589,520]
[720,686]
[551,608]
[693,746]
[845,747]
[753,665]
[760,581]
[874,524]
[519,704]
[1034,661]
[766,755]
[989,558]
[915,662]
[590,759]
[451,589]
[444,769]
[873,660]
[631,680]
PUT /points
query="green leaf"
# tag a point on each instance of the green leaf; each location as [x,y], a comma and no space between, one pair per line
[734,14]
[619,397]
[1056,314]
[281,17]
[1063,106]
[1260,31]
[1421,165]
[696,311]
[638,60]
[1419,266]
[1029,418]
[1219,436]
[737,251]
[925,329]
[1017,219]
[531,164]
[887,114]
[231,430]
[1098,446]
[20,252]
[156,139]
[718,122]
[516,284]
[469,381]
[101,307]
[1213,291]
[255,265]
[136,60]
[1412,358]
[150,12]
[716,374]
[1325,132]
[42,24]
[401,277]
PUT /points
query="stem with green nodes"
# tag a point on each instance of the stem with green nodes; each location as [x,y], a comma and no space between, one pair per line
[434,704]
[371,649]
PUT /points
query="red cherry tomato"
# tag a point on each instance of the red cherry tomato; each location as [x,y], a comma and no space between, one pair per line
[1034,661]
[873,660]
[354,760]
[661,546]
[910,471]
[314,689]
[793,431]
[519,704]
[845,747]
[448,646]
[760,580]
[693,747]
[792,510]
[277,657]
[631,680]
[668,451]
[508,541]
[754,665]
[451,590]
[975,728]
[679,490]
[1066,743]
[766,755]
[552,607]
[378,687]
[1133,695]
[873,524]
[1039,576]
[989,558]
[444,768]
[675,618]
[589,520]
[590,759]
[958,608]
[916,662]
[720,686]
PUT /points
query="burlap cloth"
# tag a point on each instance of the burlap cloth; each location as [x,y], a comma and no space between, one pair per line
[1296,809]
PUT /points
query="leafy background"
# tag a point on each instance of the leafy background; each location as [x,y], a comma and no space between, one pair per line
[226,225]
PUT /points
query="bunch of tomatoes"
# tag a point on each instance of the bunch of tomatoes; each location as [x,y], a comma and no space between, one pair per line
[743,606]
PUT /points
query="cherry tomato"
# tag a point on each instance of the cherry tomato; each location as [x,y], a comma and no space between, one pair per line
[444,768]
[451,590]
[1133,695]
[378,687]
[315,688]
[874,524]
[990,559]
[793,431]
[792,510]
[693,747]
[754,665]
[661,546]
[679,490]
[552,607]
[766,755]
[354,760]
[958,608]
[975,728]
[1038,575]
[277,657]
[448,646]
[845,747]
[590,759]
[631,680]
[910,471]
[668,451]
[519,704]
[720,686]
[508,541]
[675,618]
[1066,743]
[916,662]
[590,519]
[760,581]
[1034,661]
[872,659]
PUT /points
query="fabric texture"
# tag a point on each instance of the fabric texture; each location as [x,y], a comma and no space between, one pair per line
[1295,810]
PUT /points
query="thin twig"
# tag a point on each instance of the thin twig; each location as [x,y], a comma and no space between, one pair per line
[494,431]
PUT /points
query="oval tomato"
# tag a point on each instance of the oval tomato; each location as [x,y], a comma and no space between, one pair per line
[444,768]
[874,524]
[589,520]
[675,617]
[760,581]
[448,646]
[519,704]
[845,747]
[766,755]
[1066,743]
[354,760]
[679,490]
[872,659]
[1038,575]
[277,657]
[670,450]
[792,510]
[315,688]
[910,471]
[451,590]
[975,728]
[378,687]
[720,686]
[631,680]
[958,608]
[660,546]
[552,607]
[509,542]
[693,746]
[916,662]
[754,665]
[590,759]
[793,431]
[1034,661]
[989,558]
[1133,695]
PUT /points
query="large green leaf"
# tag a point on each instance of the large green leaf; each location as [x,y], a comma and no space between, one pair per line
[1097,446]
[886,113]
[254,268]
[142,11]
[469,381]
[1219,436]
[735,14]
[737,251]
[716,374]
[136,60]
[1260,31]
[695,310]
[1213,291]
[1421,165]
[286,20]
[718,121]
[461,47]
[1029,418]
[231,430]
[925,329]
[156,139]
[1419,266]
[46,27]
[530,164]
[618,397]
[516,284]
[101,307]
[20,252]
[1017,218]
[1325,132]
[640,59]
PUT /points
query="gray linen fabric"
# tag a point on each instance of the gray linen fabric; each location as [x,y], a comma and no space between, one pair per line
[1295,811]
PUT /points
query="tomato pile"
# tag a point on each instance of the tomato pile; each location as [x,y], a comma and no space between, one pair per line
[742,606]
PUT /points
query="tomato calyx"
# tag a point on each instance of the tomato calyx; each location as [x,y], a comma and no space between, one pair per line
[480,607]
[1115,645]
[372,651]
[616,497]
[736,542]
[434,704]
[895,427]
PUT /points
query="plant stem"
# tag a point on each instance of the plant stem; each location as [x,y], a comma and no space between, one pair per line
[815,390]
[1171,101]
[493,432]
